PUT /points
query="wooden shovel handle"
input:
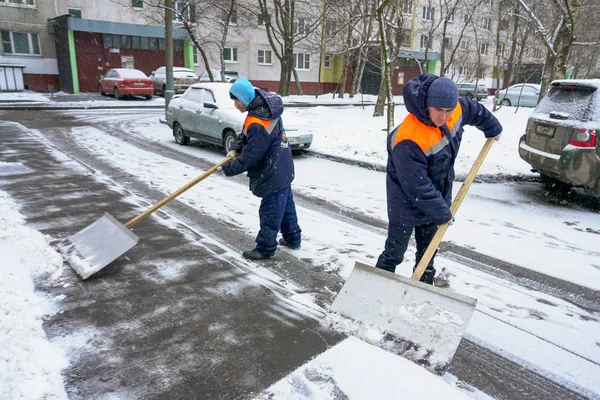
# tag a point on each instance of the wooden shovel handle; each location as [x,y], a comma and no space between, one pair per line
[437,238]
[167,199]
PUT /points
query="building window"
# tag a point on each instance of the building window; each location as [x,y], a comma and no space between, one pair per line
[407,6]
[483,49]
[153,43]
[464,44]
[466,17]
[145,44]
[327,61]
[264,57]
[233,17]
[136,42]
[20,43]
[501,49]
[428,13]
[424,41]
[230,54]
[261,20]
[182,13]
[195,55]
[462,70]
[302,26]
[75,12]
[17,3]
[485,24]
[302,61]
[125,42]
[330,27]
[537,54]
[448,43]
[137,3]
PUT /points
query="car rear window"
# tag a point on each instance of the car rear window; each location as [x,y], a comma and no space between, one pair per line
[132,73]
[573,100]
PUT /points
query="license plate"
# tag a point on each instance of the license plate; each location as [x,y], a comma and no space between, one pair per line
[139,84]
[544,130]
[294,140]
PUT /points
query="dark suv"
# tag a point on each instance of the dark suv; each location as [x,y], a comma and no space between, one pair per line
[561,138]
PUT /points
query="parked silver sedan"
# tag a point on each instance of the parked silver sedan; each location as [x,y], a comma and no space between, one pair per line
[206,112]
[521,94]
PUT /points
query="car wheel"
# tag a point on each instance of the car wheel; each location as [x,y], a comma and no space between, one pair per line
[148,97]
[117,94]
[179,135]
[228,138]
[506,102]
[101,91]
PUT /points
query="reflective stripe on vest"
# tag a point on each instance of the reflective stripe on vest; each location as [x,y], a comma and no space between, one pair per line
[429,138]
[268,124]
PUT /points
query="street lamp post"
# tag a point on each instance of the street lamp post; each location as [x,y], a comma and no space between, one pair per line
[169,52]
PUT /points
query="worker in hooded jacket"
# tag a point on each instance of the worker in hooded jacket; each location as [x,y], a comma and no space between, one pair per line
[420,168]
[267,157]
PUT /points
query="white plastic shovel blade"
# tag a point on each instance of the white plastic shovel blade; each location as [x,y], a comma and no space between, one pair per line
[422,322]
[97,245]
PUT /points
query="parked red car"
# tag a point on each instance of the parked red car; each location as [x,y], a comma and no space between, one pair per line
[125,82]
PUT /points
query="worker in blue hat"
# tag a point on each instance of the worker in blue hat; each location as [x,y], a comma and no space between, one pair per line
[267,157]
[420,168]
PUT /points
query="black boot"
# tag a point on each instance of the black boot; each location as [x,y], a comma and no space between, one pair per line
[285,243]
[256,255]
[428,276]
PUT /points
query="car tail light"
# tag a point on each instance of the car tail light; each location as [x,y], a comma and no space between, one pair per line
[582,137]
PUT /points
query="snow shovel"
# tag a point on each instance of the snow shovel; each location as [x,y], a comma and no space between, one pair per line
[421,322]
[106,239]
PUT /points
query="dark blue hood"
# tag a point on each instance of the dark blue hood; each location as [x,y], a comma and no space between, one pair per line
[415,93]
[266,105]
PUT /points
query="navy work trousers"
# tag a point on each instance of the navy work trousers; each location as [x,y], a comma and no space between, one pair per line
[397,243]
[277,212]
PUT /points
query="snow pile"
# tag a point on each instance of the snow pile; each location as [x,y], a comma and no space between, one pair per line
[21,97]
[356,370]
[29,365]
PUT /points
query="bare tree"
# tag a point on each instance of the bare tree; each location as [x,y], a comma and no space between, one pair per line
[184,12]
[556,30]
[284,30]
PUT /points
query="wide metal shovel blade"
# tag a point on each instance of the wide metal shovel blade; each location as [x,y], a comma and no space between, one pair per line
[99,244]
[422,322]
[102,242]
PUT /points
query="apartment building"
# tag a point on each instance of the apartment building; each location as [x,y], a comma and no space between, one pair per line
[68,44]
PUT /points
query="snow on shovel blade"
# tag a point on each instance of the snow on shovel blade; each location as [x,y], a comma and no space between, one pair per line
[97,245]
[421,322]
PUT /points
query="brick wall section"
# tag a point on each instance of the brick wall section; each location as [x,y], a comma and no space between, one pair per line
[91,54]
[40,82]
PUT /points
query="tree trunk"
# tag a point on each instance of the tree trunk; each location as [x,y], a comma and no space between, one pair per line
[298,86]
[358,74]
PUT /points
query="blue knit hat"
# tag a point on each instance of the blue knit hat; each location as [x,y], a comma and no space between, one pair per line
[442,93]
[242,90]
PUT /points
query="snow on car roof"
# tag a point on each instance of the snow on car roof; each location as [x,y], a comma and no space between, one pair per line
[583,82]
[130,73]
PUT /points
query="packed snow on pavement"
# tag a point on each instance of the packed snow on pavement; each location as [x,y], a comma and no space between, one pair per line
[499,220]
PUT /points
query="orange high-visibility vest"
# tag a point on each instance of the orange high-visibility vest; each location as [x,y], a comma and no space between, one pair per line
[428,138]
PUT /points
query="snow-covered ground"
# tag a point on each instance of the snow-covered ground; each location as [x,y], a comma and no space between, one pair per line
[20,97]
[499,220]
